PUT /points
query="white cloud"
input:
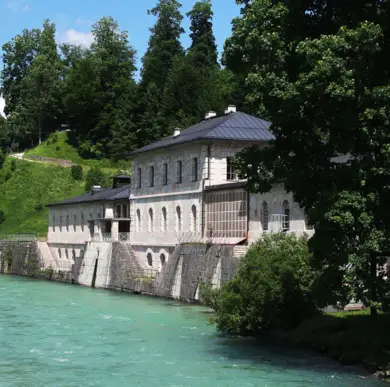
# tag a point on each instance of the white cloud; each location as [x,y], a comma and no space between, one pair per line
[2,106]
[77,37]
[18,6]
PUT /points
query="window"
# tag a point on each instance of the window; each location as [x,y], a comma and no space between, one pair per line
[54,223]
[125,213]
[59,253]
[179,172]
[286,216]
[230,169]
[194,227]
[74,222]
[139,174]
[264,216]
[151,176]
[165,174]
[66,254]
[162,259]
[149,259]
[138,221]
[151,221]
[164,220]
[195,169]
[67,222]
[118,211]
[82,222]
[178,219]
[60,223]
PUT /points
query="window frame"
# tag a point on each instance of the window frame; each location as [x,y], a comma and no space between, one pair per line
[179,171]
[151,176]
[231,173]
[139,177]
[165,174]
[195,167]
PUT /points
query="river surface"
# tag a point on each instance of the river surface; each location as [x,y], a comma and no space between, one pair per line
[56,335]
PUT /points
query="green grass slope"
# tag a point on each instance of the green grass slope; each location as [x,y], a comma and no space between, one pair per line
[25,191]
[58,147]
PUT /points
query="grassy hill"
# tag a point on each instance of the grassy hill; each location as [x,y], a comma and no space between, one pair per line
[25,191]
[58,147]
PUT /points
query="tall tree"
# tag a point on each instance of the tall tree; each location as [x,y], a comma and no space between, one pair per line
[42,92]
[100,92]
[196,83]
[164,46]
[325,97]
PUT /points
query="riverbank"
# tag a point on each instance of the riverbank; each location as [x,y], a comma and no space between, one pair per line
[351,338]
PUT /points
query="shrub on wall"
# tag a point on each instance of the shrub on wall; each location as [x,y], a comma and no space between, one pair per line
[77,172]
[272,288]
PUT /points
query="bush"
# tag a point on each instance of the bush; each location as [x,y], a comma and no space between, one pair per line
[77,172]
[2,158]
[272,288]
[2,216]
[13,165]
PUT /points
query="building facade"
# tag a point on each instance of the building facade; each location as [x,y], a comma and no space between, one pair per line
[185,189]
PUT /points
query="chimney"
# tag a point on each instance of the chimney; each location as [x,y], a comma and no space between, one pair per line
[231,109]
[96,189]
[210,114]
[176,132]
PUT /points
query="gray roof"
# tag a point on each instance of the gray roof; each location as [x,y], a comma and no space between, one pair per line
[103,195]
[236,126]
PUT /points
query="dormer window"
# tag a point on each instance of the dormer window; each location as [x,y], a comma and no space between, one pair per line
[230,169]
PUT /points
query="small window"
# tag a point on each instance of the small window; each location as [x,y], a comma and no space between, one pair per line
[194,226]
[164,220]
[60,223]
[74,222]
[151,221]
[139,174]
[286,216]
[67,222]
[178,219]
[151,176]
[195,169]
[138,221]
[59,253]
[54,223]
[230,169]
[82,222]
[179,171]
[162,259]
[264,216]
[118,211]
[149,259]
[165,174]
[125,211]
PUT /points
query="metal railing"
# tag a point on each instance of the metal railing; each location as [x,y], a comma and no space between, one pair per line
[123,236]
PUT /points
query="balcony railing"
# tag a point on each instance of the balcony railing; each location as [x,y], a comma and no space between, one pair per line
[108,237]
[123,236]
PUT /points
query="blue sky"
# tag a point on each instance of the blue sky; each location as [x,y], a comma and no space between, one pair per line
[73,18]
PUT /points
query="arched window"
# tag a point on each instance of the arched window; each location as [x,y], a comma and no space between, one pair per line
[194,220]
[164,220]
[54,223]
[74,222]
[151,221]
[286,216]
[264,216]
[178,219]
[59,253]
[60,223]
[82,222]
[162,259]
[149,259]
[99,215]
[138,221]
[67,222]
[66,254]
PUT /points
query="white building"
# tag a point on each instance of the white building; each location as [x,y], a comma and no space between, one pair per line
[184,189]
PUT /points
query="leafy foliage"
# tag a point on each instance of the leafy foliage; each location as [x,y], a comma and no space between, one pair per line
[77,172]
[2,158]
[96,176]
[272,289]
[2,216]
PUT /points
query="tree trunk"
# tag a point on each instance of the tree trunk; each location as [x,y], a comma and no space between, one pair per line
[373,275]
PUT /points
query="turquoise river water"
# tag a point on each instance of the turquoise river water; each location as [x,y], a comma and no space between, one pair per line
[56,335]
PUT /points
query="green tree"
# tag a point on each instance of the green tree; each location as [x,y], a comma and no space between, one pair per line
[100,92]
[2,158]
[95,176]
[42,94]
[272,288]
[325,97]
[164,46]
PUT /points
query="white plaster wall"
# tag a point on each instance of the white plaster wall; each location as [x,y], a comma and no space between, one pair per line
[77,232]
[143,234]
[65,254]
[275,199]
[141,253]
